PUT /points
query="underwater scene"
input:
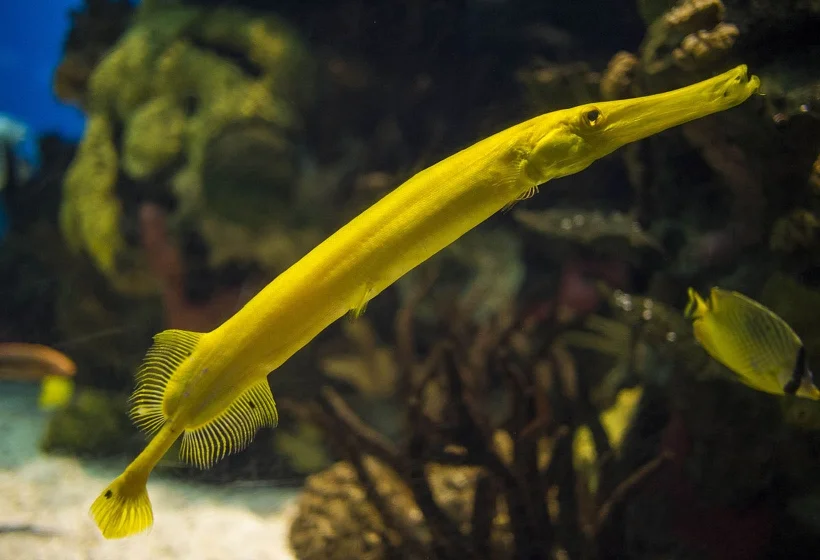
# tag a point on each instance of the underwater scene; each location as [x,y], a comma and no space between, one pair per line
[409,280]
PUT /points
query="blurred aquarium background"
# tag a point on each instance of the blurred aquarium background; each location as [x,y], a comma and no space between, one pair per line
[534,391]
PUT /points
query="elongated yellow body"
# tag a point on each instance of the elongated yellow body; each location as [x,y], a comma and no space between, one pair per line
[212,389]
[427,213]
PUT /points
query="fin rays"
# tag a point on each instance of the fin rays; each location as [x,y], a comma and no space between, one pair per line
[232,430]
[123,509]
[529,193]
[170,349]
[356,312]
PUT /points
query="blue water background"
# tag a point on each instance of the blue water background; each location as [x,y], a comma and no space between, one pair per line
[32,33]
[31,44]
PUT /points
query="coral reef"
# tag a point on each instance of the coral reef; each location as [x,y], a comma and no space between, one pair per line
[760,164]
[725,475]
[520,409]
[691,35]
[473,478]
[337,521]
[589,459]
[94,29]
[168,107]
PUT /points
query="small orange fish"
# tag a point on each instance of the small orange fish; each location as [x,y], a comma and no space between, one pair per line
[21,361]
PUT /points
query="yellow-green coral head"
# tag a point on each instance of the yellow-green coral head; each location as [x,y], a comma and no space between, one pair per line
[568,141]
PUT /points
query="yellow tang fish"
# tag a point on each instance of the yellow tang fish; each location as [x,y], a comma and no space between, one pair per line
[753,342]
[211,388]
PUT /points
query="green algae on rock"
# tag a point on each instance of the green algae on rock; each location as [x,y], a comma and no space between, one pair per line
[177,81]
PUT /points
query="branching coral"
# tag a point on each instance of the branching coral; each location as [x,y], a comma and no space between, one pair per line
[618,78]
[512,489]
[689,36]
[705,46]
[748,158]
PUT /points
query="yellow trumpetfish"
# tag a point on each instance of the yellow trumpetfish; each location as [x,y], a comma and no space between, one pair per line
[211,388]
[752,341]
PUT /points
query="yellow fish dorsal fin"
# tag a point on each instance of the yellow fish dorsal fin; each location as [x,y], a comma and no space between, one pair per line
[233,429]
[696,306]
[715,295]
[170,349]
[751,340]
[721,296]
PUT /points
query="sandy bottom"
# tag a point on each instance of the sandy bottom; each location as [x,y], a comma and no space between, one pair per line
[44,504]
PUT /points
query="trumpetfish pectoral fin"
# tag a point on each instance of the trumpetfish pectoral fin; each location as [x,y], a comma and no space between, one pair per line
[361,306]
[527,194]
[233,429]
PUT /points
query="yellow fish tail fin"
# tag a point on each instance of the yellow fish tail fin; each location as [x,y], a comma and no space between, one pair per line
[813,393]
[808,389]
[55,391]
[233,429]
[170,349]
[696,307]
[123,508]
